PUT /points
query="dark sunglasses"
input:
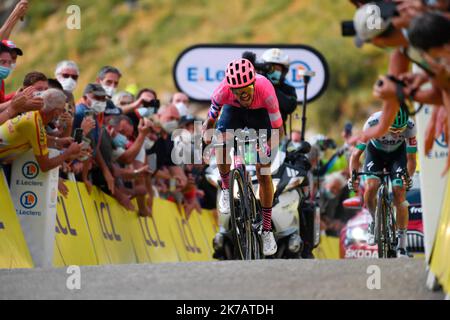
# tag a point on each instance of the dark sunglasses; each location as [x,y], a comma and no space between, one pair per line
[73,76]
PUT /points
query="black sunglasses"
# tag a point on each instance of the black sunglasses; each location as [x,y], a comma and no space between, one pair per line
[73,76]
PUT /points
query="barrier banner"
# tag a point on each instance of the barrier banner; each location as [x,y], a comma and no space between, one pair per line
[110,240]
[157,237]
[121,227]
[209,227]
[432,184]
[187,234]
[14,252]
[34,194]
[73,240]
[440,261]
[94,224]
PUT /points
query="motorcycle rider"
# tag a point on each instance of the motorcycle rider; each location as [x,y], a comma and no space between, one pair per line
[278,66]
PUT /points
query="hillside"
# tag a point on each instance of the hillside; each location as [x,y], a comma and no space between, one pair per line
[144,42]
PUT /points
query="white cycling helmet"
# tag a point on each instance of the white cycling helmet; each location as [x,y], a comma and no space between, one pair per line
[276,56]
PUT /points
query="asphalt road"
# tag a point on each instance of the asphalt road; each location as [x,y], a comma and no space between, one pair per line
[284,279]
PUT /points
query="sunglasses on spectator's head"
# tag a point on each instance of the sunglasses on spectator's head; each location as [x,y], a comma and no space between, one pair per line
[73,76]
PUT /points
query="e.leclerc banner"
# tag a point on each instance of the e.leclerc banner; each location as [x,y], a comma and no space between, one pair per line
[199,69]
[35,196]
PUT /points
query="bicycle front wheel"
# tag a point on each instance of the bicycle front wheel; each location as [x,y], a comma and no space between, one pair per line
[240,216]
[381,233]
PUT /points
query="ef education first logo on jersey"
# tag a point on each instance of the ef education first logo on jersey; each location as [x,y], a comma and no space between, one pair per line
[200,69]
[28,200]
[30,170]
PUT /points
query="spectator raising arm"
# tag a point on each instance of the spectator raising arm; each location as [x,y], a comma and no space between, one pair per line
[18,13]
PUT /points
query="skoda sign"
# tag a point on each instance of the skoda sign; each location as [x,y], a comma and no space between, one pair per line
[200,69]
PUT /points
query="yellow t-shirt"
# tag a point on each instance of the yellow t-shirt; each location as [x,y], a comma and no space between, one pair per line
[21,134]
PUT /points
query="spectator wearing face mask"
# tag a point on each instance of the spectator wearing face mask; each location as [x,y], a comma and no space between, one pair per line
[129,151]
[89,115]
[15,52]
[109,78]
[169,118]
[27,131]
[67,74]
[21,101]
[147,106]
[181,102]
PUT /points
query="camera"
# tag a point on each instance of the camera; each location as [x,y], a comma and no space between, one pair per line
[155,103]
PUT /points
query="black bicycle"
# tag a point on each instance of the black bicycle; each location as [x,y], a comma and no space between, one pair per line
[246,214]
[385,225]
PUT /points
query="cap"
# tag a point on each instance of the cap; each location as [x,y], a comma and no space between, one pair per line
[95,89]
[12,46]
[369,22]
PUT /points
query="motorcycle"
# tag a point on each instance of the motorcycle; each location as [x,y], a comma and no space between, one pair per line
[295,219]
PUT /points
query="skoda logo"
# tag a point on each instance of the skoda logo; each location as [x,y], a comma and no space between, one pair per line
[30,170]
[28,200]
[294,78]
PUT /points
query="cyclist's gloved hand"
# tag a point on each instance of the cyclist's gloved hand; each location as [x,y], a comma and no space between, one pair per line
[408,182]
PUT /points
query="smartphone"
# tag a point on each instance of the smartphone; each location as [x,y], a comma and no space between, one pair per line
[90,113]
[78,135]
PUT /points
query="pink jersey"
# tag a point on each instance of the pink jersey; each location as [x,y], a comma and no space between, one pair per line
[264,97]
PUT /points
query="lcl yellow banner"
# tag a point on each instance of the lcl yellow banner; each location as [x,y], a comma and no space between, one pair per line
[440,260]
[14,252]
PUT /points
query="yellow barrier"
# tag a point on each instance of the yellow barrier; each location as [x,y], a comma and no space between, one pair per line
[440,260]
[93,229]
[73,244]
[14,252]
[328,248]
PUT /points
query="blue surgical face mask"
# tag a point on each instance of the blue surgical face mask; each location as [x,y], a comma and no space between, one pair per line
[275,76]
[120,141]
[4,72]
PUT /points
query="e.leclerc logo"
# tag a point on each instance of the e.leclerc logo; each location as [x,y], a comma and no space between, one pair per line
[30,170]
[441,141]
[28,200]
[294,78]
[196,74]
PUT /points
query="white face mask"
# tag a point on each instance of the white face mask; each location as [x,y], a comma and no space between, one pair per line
[110,91]
[170,126]
[98,106]
[182,109]
[68,84]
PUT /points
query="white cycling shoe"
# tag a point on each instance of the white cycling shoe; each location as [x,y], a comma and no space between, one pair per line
[224,202]
[270,245]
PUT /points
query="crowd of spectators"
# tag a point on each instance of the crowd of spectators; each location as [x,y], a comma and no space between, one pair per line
[414,32]
[116,141]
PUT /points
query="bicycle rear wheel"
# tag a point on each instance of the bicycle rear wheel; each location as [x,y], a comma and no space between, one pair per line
[240,216]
